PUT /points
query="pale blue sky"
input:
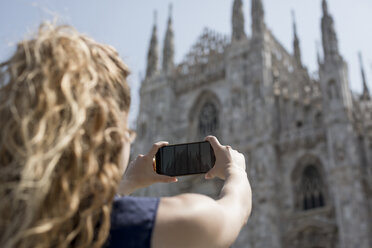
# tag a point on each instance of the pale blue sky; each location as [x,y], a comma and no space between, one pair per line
[126,25]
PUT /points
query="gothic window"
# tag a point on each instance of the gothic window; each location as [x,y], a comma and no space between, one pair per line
[311,189]
[208,119]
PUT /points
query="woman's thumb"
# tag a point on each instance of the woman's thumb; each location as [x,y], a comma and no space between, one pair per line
[209,174]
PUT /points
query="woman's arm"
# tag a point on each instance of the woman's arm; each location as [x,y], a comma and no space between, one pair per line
[193,220]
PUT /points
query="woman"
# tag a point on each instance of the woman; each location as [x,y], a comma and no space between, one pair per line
[64,148]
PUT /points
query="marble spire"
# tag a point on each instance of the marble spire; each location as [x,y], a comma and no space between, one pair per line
[238,32]
[153,52]
[168,48]
[329,37]
[296,42]
[365,95]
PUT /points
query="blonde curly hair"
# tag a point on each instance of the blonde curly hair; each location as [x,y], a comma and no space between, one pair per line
[63,101]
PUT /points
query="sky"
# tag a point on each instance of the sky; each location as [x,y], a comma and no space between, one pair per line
[127,25]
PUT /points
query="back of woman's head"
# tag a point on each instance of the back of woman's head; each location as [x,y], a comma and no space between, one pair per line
[63,100]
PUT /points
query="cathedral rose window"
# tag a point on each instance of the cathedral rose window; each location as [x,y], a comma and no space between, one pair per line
[208,120]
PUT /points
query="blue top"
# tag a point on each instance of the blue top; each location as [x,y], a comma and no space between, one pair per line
[132,222]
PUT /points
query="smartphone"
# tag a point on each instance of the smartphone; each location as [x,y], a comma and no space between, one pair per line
[185,159]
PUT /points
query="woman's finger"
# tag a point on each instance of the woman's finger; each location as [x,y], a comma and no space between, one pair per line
[155,147]
[166,179]
[213,141]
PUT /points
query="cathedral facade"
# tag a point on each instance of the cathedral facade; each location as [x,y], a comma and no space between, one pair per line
[307,140]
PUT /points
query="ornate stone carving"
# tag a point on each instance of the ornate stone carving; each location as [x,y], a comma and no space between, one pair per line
[312,236]
[208,49]
[204,64]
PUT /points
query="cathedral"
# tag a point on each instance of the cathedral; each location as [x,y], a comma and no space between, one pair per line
[307,139]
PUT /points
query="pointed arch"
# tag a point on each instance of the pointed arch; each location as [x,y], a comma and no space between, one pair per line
[309,185]
[311,189]
[204,115]
[208,119]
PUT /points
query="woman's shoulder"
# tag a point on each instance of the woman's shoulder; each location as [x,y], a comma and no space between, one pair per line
[132,221]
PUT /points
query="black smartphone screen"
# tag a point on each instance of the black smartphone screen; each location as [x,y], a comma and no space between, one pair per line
[185,159]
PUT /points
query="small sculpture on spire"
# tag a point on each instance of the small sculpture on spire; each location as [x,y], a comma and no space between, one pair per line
[238,21]
[329,37]
[153,53]
[325,7]
[296,42]
[258,23]
[365,95]
[168,48]
[317,47]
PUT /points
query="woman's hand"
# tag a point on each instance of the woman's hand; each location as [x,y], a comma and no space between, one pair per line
[228,160]
[140,172]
